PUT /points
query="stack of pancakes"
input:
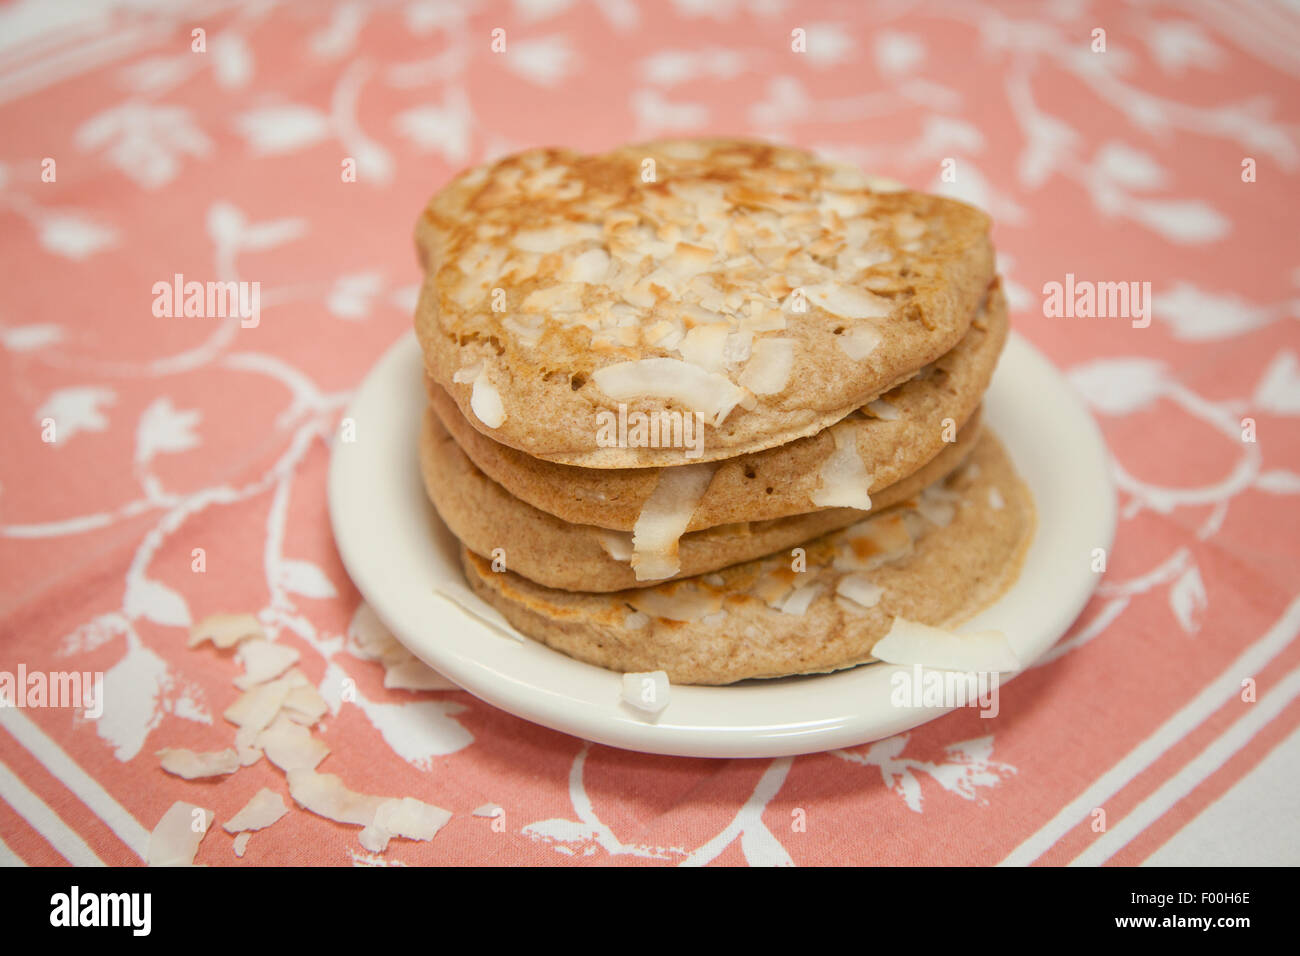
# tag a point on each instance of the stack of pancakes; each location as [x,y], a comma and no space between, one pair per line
[712,407]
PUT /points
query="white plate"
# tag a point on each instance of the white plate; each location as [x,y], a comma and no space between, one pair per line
[398,551]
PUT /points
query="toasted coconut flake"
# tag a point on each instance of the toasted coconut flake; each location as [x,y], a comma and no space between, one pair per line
[704,346]
[678,601]
[263,661]
[847,302]
[663,520]
[291,746]
[647,692]
[193,766]
[844,478]
[883,184]
[859,589]
[226,630]
[768,370]
[173,841]
[554,238]
[910,642]
[869,544]
[710,393]
[265,807]
[589,267]
[485,402]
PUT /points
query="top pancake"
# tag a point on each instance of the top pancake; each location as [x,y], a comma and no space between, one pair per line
[767,290]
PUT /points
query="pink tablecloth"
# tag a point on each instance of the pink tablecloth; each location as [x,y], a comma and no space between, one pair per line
[1170,157]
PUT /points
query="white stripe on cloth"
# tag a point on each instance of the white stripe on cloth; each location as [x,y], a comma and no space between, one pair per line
[1213,696]
[45,821]
[1257,716]
[66,771]
[8,857]
[1241,827]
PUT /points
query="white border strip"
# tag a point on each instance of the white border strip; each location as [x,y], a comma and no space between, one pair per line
[1257,717]
[1253,660]
[70,774]
[45,821]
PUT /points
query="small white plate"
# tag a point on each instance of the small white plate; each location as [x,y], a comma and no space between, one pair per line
[398,552]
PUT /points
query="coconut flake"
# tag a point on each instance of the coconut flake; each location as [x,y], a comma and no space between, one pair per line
[859,589]
[554,238]
[801,598]
[291,746]
[844,478]
[883,410]
[996,501]
[678,601]
[260,812]
[406,817]
[938,505]
[485,402]
[617,544]
[256,707]
[414,674]
[768,370]
[246,746]
[869,544]
[305,705]
[859,342]
[526,328]
[847,302]
[663,520]
[263,661]
[463,376]
[193,766]
[710,393]
[647,692]
[912,643]
[883,184]
[561,297]
[589,267]
[173,841]
[241,843]
[705,345]
[225,630]
[325,795]
[488,810]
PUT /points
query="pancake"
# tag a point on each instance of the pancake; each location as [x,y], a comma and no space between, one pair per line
[936,560]
[576,557]
[756,286]
[781,481]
